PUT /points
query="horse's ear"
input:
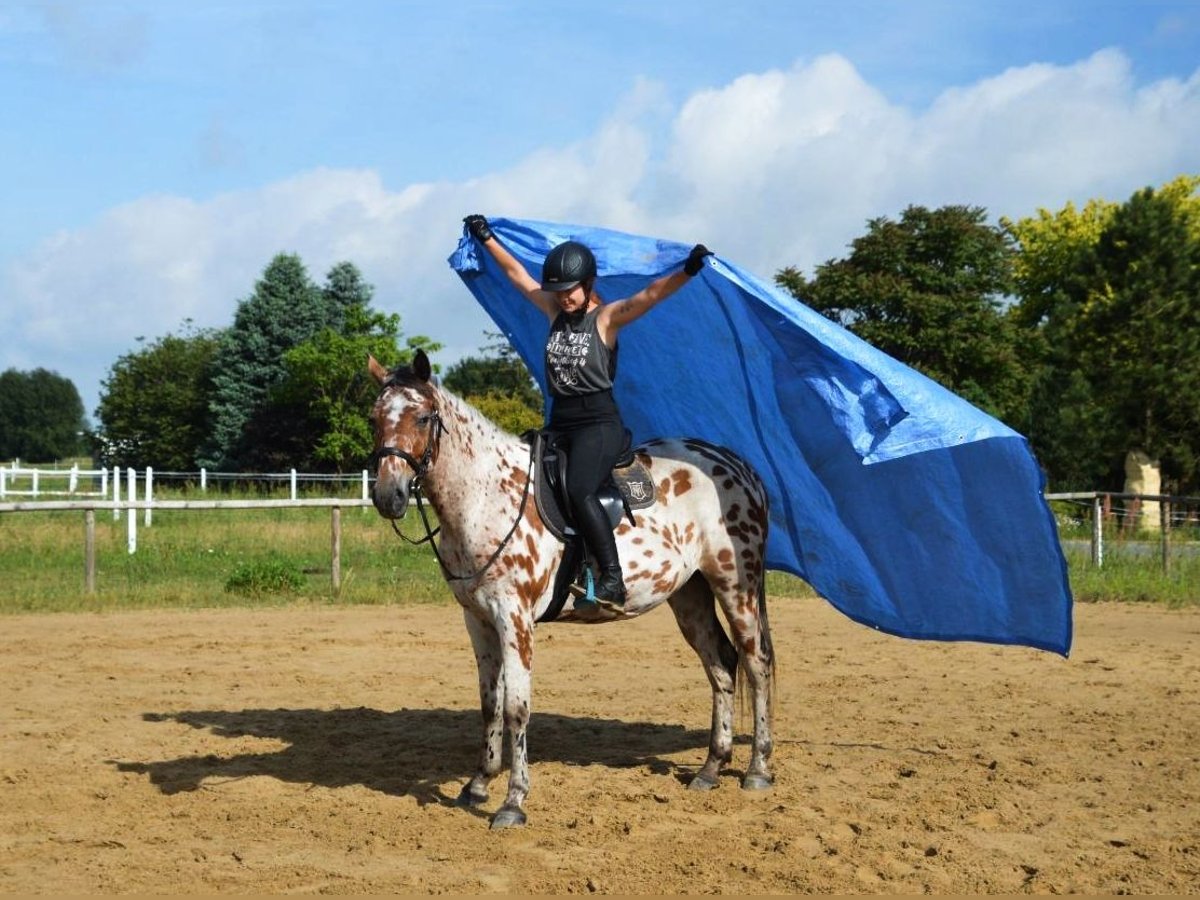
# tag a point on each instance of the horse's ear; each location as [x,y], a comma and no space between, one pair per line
[378,372]
[421,367]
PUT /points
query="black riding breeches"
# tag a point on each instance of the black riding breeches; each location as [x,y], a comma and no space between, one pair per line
[593,436]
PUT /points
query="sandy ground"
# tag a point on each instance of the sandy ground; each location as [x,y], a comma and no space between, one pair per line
[318,750]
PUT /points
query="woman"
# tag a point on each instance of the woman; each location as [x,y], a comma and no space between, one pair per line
[581,363]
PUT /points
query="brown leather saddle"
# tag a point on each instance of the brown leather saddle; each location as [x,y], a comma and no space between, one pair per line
[629,488]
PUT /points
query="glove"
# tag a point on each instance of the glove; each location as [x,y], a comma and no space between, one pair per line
[479,228]
[695,261]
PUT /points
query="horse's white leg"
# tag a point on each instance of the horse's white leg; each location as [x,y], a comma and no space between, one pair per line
[697,617]
[516,646]
[747,619]
[486,644]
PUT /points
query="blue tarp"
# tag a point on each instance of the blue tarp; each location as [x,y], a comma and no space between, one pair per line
[906,507]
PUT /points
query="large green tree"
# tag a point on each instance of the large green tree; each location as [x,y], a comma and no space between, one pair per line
[247,430]
[326,377]
[928,290]
[154,404]
[41,416]
[1110,298]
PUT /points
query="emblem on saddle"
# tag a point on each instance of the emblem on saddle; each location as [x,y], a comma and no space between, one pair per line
[630,487]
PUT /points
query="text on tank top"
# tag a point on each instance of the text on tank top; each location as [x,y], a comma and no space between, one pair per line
[577,360]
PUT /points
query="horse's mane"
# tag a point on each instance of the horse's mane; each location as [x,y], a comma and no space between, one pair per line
[404,376]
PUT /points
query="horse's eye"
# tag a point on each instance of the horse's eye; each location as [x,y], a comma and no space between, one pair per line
[423,420]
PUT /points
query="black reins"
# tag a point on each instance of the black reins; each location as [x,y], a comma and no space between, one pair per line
[420,467]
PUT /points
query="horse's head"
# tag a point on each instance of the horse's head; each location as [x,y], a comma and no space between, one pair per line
[407,425]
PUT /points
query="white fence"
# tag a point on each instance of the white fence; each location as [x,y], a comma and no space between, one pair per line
[36,482]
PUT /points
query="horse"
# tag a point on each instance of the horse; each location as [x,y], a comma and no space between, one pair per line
[701,545]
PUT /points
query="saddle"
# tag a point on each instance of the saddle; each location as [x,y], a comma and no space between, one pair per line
[630,487]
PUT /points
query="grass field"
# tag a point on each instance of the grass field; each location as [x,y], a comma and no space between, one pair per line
[206,558]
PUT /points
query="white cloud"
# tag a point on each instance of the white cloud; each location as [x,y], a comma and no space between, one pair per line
[774,168]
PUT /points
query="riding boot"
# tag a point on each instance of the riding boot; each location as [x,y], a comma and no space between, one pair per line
[592,522]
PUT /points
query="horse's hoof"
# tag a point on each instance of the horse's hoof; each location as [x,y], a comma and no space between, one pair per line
[508,817]
[468,799]
[757,782]
[702,783]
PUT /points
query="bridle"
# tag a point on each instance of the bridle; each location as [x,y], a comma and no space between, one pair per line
[420,467]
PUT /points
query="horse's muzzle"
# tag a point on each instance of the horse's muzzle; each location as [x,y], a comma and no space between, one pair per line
[391,496]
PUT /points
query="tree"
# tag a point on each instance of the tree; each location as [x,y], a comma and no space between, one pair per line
[344,290]
[928,291]
[154,404]
[1110,302]
[285,310]
[499,385]
[326,376]
[1136,330]
[41,416]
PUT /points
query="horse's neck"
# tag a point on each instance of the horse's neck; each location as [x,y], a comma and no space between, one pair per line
[475,464]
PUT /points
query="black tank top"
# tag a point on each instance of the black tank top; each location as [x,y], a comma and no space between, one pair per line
[577,361]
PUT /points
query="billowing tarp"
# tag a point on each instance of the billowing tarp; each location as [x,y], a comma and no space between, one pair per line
[907,508]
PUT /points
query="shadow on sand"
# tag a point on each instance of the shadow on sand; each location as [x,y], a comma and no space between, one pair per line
[410,752]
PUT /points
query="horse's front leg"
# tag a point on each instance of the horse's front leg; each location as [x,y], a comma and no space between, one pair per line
[488,657]
[515,627]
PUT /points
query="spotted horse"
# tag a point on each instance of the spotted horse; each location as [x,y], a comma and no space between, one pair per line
[699,547]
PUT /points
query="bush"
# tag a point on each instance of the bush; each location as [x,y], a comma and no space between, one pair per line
[269,576]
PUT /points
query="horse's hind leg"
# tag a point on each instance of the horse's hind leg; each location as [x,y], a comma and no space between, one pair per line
[745,610]
[697,617]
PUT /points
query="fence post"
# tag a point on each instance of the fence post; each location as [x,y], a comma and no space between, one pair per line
[103,482]
[3,489]
[149,493]
[89,551]
[35,483]
[131,480]
[293,484]
[1164,518]
[116,493]
[203,481]
[366,490]
[73,481]
[335,567]
[1097,533]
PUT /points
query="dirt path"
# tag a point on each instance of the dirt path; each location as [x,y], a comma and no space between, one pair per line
[317,749]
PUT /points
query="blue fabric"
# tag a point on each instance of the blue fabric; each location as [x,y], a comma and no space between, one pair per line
[908,509]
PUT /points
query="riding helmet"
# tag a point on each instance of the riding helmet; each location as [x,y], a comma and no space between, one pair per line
[567,265]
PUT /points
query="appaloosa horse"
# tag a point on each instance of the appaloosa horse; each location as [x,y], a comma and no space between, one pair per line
[704,539]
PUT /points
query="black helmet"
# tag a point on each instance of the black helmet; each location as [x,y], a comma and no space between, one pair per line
[567,265]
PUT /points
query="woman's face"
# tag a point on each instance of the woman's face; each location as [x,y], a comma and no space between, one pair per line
[572,301]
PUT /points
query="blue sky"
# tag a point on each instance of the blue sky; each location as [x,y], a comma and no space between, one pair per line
[156,155]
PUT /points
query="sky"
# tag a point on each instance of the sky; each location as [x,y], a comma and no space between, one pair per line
[155,155]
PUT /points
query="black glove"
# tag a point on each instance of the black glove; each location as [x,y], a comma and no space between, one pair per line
[695,261]
[479,228]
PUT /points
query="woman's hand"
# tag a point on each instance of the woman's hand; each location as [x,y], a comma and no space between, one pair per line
[695,261]
[479,228]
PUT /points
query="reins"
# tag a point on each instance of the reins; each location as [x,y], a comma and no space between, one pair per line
[420,467]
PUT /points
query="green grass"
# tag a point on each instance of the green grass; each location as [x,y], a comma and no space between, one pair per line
[191,559]
[214,558]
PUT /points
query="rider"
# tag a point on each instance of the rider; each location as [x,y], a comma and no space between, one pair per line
[581,363]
